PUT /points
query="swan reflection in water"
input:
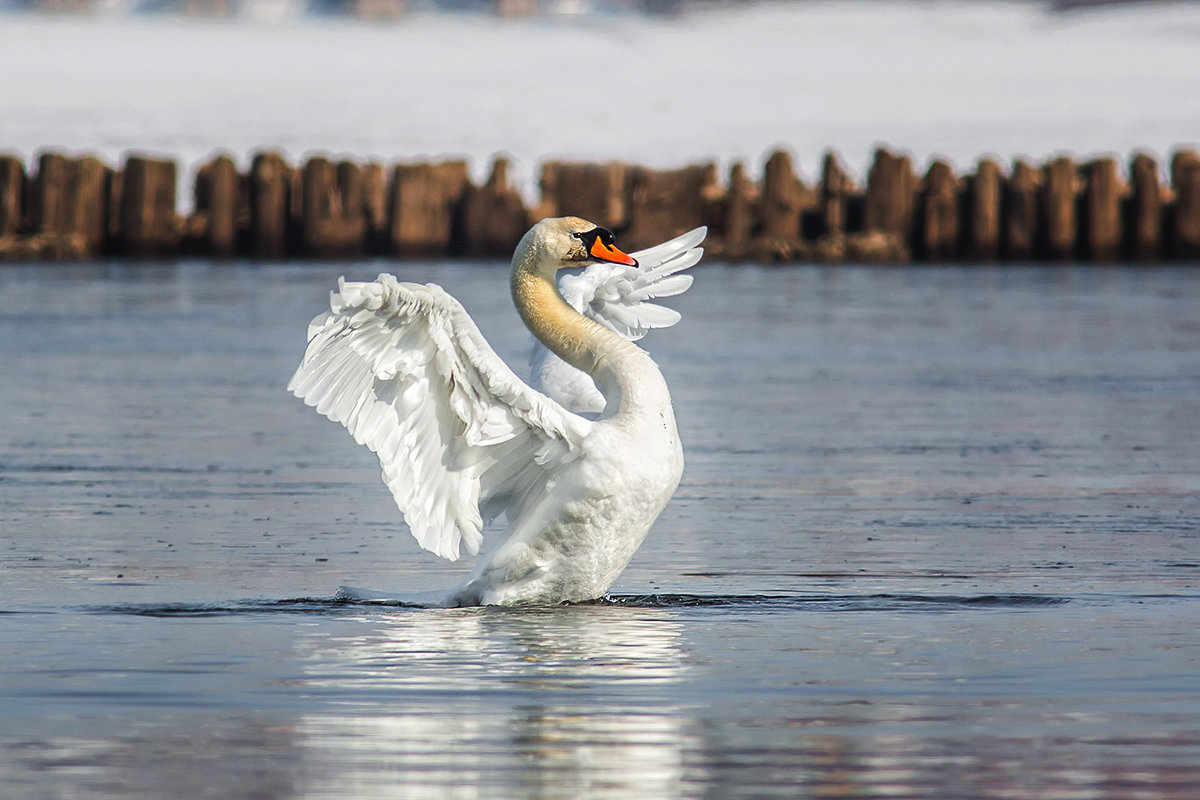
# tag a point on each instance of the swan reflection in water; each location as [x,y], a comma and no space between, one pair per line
[558,701]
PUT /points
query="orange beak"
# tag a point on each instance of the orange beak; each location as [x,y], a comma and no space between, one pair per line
[607,252]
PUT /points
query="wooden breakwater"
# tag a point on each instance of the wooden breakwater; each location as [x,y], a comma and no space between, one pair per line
[80,207]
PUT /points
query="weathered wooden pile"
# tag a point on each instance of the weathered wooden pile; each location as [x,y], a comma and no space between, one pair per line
[80,207]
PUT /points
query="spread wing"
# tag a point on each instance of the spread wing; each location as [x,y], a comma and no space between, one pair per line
[460,437]
[618,298]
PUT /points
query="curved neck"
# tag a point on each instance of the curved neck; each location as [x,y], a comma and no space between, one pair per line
[581,342]
[627,377]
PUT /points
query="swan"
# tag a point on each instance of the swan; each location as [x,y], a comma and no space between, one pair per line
[462,440]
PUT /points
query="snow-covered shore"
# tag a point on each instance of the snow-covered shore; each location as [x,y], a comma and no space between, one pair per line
[955,80]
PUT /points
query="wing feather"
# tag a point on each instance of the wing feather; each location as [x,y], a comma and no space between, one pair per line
[459,436]
[614,295]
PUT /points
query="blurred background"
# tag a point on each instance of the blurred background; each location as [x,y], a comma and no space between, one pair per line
[655,82]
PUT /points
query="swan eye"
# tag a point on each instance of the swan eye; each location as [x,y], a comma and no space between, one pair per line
[589,237]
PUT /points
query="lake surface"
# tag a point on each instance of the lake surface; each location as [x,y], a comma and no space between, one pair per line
[938,536]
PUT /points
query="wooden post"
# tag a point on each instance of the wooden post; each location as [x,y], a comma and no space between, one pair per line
[88,210]
[12,195]
[320,204]
[597,192]
[1020,213]
[783,199]
[891,187]
[1059,209]
[1185,222]
[938,224]
[666,203]
[148,223]
[269,184]
[116,190]
[294,215]
[1181,161]
[1101,223]
[835,187]
[494,216]
[375,194]
[217,194]
[351,225]
[332,224]
[741,211]
[1144,217]
[351,188]
[49,210]
[982,217]
[426,208]
[70,203]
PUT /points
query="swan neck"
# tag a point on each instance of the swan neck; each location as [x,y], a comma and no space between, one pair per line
[571,336]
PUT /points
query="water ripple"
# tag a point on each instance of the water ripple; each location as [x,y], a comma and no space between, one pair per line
[738,602]
[874,602]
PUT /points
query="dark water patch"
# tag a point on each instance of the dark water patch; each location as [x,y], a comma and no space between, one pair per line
[338,605]
[875,602]
[11,471]
[133,468]
[300,605]
[700,601]
[858,574]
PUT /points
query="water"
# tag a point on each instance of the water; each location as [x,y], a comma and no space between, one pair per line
[939,536]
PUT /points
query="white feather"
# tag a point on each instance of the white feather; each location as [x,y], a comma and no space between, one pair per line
[406,370]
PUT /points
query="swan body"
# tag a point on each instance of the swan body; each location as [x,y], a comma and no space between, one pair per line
[462,440]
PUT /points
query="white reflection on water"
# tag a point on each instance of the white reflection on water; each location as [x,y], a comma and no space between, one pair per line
[565,703]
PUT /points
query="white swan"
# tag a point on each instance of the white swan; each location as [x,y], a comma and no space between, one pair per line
[462,440]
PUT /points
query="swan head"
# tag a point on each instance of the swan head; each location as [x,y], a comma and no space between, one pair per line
[565,242]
